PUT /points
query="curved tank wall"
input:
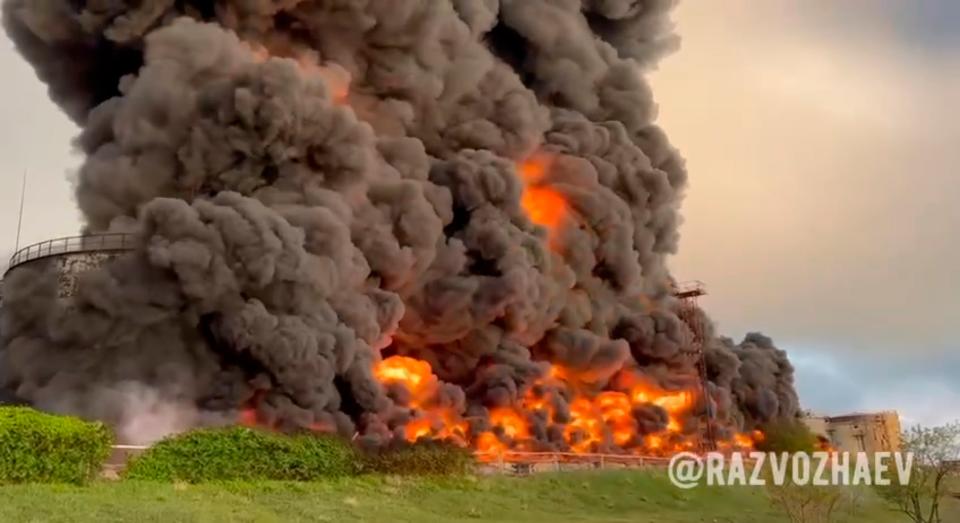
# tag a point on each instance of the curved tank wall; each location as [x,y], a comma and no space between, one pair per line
[71,256]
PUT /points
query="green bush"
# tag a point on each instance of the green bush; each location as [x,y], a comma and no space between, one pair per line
[790,435]
[421,458]
[43,448]
[239,453]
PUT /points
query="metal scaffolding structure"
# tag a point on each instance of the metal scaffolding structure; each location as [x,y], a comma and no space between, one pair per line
[688,294]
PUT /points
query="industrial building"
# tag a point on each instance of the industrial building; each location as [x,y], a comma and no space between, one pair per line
[858,432]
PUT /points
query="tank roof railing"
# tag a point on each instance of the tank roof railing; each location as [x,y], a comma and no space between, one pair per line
[110,242]
[689,289]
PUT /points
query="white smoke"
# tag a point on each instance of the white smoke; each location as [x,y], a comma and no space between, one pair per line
[147,417]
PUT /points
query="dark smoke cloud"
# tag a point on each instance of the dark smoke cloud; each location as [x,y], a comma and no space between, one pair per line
[293,231]
[764,387]
[752,382]
[7,398]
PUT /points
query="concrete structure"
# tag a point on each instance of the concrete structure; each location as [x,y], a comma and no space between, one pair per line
[859,432]
[70,257]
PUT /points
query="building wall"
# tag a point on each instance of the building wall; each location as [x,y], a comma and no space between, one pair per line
[816,424]
[862,432]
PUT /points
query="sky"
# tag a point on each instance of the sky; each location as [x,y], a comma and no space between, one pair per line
[820,137]
[821,140]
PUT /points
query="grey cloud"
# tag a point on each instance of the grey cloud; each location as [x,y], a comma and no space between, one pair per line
[922,390]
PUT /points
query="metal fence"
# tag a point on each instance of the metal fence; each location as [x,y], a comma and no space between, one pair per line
[523,463]
[72,245]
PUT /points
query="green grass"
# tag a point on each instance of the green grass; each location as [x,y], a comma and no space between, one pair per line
[610,496]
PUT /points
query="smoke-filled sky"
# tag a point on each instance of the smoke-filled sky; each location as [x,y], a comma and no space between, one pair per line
[820,203]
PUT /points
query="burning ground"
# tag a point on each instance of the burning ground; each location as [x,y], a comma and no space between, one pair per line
[390,219]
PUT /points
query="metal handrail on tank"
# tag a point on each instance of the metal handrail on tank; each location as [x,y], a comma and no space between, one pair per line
[689,289]
[73,245]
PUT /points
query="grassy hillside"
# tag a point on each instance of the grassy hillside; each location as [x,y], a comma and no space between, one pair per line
[620,496]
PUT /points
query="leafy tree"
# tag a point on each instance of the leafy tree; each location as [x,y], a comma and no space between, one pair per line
[935,453]
[803,503]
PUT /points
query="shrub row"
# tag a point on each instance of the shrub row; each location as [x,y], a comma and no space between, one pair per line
[424,458]
[43,448]
[239,453]
[38,447]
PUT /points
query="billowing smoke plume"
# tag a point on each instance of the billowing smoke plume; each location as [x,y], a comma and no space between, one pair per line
[391,218]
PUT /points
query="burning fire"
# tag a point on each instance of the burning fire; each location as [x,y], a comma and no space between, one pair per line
[604,421]
[415,375]
[592,421]
[543,204]
[823,444]
[743,440]
[336,78]
[417,378]
[248,417]
[601,422]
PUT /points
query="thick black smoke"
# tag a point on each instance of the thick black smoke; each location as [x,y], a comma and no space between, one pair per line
[753,381]
[317,184]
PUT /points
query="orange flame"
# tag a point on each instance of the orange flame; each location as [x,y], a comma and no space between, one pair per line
[438,423]
[336,78]
[417,429]
[823,444]
[417,377]
[533,402]
[514,426]
[586,426]
[248,417]
[742,440]
[488,443]
[654,442]
[414,374]
[598,421]
[617,411]
[543,204]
